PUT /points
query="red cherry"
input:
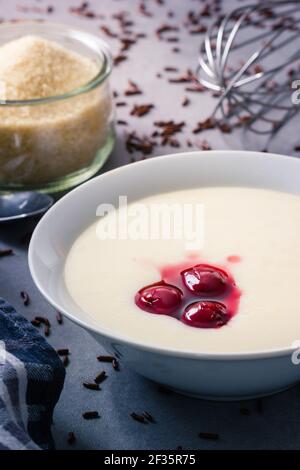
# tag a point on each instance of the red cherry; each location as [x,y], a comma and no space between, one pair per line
[205,280]
[205,314]
[160,298]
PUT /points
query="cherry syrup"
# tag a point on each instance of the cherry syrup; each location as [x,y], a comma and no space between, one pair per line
[200,295]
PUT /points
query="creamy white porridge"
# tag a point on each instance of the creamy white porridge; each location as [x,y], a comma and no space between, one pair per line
[252,232]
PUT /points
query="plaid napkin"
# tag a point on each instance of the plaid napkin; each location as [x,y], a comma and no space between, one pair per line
[31,380]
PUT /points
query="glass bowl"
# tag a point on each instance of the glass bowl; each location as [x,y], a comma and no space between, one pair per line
[54,143]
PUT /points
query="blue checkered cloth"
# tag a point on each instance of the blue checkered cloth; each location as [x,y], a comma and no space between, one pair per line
[31,380]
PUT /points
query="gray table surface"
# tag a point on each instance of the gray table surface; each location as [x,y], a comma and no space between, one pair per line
[179,419]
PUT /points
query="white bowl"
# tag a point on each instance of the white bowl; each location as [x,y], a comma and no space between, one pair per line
[212,376]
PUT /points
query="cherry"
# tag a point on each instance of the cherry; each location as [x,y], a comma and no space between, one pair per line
[205,280]
[205,314]
[160,298]
[209,299]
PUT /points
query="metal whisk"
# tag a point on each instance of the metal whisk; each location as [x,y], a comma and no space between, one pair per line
[249,60]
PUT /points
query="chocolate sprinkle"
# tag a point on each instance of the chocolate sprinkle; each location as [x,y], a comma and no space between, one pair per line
[63,352]
[106,30]
[185,101]
[171,69]
[142,144]
[6,252]
[71,439]
[199,30]
[100,377]
[119,58]
[188,77]
[165,28]
[148,417]
[196,88]
[105,358]
[208,123]
[43,320]
[141,110]
[169,127]
[172,39]
[88,415]
[132,89]
[139,418]
[66,361]
[59,318]
[143,10]
[25,297]
[225,128]
[91,386]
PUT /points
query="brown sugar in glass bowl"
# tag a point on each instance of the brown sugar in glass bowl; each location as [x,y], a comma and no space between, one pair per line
[56,113]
